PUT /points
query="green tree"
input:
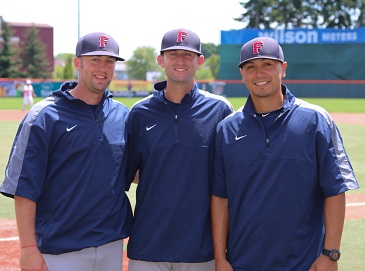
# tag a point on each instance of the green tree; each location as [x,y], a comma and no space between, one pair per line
[340,13]
[361,19]
[294,13]
[69,70]
[209,49]
[256,13]
[66,70]
[302,14]
[142,60]
[8,64]
[213,64]
[204,73]
[58,72]
[33,56]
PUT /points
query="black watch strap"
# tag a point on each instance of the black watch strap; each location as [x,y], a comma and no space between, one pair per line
[333,254]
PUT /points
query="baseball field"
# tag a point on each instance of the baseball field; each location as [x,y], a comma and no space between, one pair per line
[349,115]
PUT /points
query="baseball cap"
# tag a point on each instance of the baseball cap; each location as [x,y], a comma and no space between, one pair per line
[181,39]
[28,81]
[98,43]
[261,47]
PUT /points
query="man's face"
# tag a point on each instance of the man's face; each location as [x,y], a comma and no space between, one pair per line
[263,76]
[95,72]
[180,65]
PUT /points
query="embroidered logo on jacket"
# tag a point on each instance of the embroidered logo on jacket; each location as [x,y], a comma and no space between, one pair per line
[69,129]
[150,127]
[239,137]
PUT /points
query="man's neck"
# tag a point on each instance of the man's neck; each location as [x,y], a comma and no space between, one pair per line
[175,92]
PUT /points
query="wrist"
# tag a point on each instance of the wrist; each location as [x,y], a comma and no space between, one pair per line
[333,254]
[33,245]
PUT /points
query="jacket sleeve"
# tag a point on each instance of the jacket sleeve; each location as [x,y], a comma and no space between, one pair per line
[335,171]
[27,165]
[132,146]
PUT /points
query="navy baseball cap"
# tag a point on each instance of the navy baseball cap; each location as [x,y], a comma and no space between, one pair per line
[262,47]
[181,39]
[98,43]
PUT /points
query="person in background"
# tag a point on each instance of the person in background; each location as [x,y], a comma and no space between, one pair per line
[129,89]
[281,173]
[66,170]
[28,94]
[170,137]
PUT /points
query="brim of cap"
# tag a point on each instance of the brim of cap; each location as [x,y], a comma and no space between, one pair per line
[181,48]
[103,53]
[273,58]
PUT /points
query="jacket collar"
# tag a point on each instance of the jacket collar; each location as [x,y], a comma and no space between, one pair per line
[68,85]
[159,88]
[289,100]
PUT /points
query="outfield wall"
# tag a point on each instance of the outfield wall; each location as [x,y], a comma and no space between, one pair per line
[321,62]
[312,54]
[306,62]
[301,88]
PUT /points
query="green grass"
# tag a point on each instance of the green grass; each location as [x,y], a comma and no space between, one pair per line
[335,105]
[353,246]
[8,130]
[353,243]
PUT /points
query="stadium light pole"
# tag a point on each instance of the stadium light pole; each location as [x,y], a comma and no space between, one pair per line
[78,28]
[78,19]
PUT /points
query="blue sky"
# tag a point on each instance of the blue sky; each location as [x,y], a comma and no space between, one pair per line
[132,23]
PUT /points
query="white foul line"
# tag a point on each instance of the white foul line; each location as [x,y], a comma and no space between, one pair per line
[355,204]
[9,239]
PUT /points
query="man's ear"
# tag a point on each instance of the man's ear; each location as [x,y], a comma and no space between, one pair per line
[200,60]
[285,65]
[242,75]
[160,61]
[77,63]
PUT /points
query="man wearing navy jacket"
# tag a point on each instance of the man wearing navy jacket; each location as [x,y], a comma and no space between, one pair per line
[170,142]
[66,170]
[280,175]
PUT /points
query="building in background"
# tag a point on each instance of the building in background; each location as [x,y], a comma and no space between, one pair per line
[121,71]
[45,35]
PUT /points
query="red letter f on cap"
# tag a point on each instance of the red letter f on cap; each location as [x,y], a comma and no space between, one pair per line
[103,40]
[181,35]
[256,46]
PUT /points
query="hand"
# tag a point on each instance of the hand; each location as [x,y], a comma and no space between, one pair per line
[323,263]
[223,265]
[32,260]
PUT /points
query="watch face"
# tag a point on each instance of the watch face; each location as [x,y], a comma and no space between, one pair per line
[335,255]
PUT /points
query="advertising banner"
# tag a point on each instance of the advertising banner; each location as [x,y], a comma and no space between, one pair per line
[296,36]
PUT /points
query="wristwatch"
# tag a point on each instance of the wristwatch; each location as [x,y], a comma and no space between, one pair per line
[333,254]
